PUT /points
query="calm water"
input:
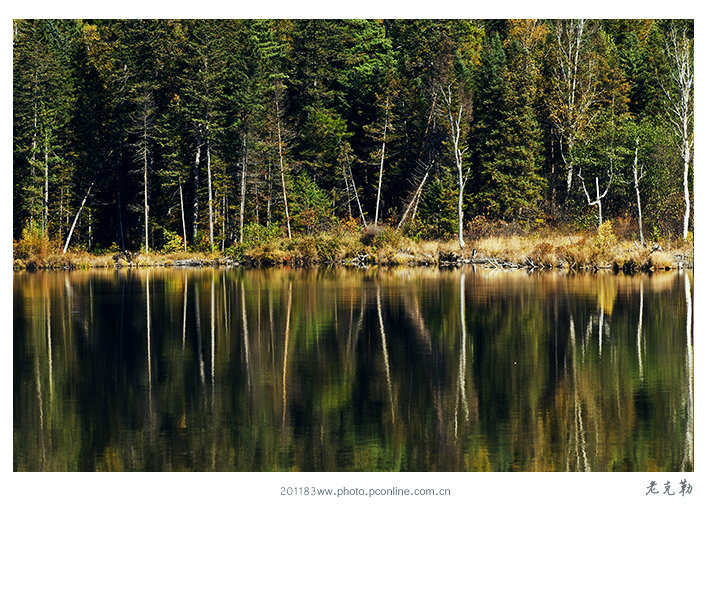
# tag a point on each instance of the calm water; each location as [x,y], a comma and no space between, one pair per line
[407,369]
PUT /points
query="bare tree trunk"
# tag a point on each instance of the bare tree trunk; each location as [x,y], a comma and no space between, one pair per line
[35,133]
[637,176]
[195,201]
[270,195]
[76,218]
[90,232]
[599,195]
[455,125]
[686,155]
[415,198]
[225,219]
[120,218]
[61,212]
[182,211]
[145,180]
[243,193]
[569,169]
[45,214]
[354,188]
[280,159]
[680,105]
[209,192]
[347,189]
[381,164]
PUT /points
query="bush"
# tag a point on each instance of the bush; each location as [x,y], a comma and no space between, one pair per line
[255,234]
[414,229]
[387,237]
[33,244]
[604,241]
[172,242]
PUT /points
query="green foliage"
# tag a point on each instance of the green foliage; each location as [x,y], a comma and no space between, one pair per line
[387,237]
[604,240]
[439,206]
[168,105]
[507,137]
[172,242]
[414,229]
[255,235]
[312,207]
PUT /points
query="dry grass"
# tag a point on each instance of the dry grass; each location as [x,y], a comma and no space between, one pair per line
[387,247]
[592,250]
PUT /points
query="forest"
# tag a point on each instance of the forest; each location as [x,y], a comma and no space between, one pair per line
[203,135]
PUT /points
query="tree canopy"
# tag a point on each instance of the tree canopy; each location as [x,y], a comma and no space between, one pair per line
[186,131]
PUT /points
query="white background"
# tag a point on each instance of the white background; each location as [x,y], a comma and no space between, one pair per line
[217,531]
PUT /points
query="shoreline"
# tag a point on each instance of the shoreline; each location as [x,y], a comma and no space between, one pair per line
[578,252]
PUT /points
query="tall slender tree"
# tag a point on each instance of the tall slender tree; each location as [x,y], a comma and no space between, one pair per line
[679,94]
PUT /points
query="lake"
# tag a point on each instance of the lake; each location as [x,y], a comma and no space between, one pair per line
[406,369]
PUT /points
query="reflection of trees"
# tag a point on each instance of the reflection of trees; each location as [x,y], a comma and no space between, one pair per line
[335,369]
[688,456]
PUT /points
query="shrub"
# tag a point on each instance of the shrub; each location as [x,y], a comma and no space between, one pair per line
[256,237]
[369,234]
[172,242]
[386,237]
[34,243]
[604,241]
[255,234]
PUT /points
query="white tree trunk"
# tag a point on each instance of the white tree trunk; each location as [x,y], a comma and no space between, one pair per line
[209,192]
[415,198]
[680,105]
[381,164]
[637,175]
[455,125]
[280,160]
[76,219]
[195,201]
[243,193]
[45,215]
[145,183]
[182,211]
[687,153]
[354,188]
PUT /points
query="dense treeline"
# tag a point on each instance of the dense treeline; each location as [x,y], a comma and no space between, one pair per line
[143,133]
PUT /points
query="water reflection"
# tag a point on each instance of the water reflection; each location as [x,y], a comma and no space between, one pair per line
[405,369]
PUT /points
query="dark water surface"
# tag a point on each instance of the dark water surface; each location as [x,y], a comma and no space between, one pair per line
[406,369]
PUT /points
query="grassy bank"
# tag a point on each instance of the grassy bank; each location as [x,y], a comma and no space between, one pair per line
[385,246]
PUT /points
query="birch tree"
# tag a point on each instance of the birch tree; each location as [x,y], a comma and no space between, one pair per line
[599,196]
[575,87]
[456,122]
[679,100]
[638,175]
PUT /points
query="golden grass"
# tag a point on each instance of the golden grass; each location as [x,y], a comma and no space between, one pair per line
[581,251]
[388,247]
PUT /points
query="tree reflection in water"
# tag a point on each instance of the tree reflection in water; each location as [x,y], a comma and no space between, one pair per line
[403,369]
